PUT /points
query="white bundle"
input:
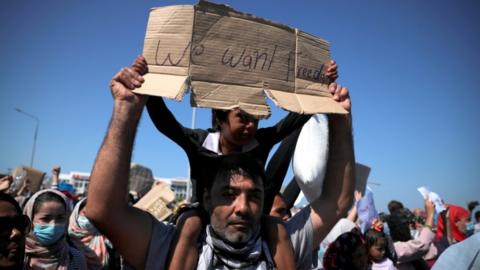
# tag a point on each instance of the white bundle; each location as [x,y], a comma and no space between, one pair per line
[311,156]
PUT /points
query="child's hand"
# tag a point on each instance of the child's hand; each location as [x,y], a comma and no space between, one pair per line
[332,71]
[140,65]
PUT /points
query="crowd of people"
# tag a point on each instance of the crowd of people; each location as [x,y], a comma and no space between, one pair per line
[238,217]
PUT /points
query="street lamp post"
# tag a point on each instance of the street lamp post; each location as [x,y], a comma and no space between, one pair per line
[189,185]
[37,123]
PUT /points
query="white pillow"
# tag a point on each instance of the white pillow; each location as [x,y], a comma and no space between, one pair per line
[311,156]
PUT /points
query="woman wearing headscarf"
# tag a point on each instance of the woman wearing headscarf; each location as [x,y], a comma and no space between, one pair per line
[46,246]
[455,229]
[88,239]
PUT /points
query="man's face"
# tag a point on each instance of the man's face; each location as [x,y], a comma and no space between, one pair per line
[12,236]
[279,209]
[235,207]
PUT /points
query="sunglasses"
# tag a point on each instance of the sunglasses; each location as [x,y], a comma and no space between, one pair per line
[20,222]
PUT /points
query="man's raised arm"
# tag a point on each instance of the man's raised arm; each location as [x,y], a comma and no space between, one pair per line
[337,194]
[128,228]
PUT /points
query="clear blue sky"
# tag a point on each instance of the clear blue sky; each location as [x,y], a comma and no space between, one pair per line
[411,66]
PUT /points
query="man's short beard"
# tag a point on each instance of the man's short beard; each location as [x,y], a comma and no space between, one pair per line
[237,238]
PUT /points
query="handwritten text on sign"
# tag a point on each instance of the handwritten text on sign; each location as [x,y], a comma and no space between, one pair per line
[246,59]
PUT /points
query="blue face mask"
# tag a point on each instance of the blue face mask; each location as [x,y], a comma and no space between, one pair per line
[84,223]
[470,226]
[48,234]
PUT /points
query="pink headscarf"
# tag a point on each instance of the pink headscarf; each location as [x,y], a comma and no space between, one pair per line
[88,240]
[55,256]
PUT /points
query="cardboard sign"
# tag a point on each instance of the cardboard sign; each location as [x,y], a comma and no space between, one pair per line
[234,60]
[156,200]
[361,177]
[22,173]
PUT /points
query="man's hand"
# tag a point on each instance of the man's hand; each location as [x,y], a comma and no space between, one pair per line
[341,95]
[55,175]
[127,80]
[56,171]
[332,71]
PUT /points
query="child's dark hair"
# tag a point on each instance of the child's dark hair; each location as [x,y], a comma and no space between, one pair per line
[375,237]
[47,197]
[218,117]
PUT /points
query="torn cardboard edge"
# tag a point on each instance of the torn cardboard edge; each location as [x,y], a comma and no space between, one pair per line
[222,56]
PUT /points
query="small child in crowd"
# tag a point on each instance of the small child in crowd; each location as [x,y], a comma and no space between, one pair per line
[376,242]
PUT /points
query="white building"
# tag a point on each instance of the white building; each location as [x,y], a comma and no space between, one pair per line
[79,180]
[178,185]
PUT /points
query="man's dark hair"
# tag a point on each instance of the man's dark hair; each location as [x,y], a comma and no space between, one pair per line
[8,198]
[394,206]
[224,167]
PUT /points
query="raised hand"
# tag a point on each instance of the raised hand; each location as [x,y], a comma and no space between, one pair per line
[127,80]
[140,65]
[341,95]
[332,71]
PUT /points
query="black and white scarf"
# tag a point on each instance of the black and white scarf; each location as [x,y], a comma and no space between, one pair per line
[217,254]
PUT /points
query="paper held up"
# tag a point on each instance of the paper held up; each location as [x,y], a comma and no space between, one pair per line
[232,60]
[433,197]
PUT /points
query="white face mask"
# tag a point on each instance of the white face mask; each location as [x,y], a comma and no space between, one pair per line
[413,233]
